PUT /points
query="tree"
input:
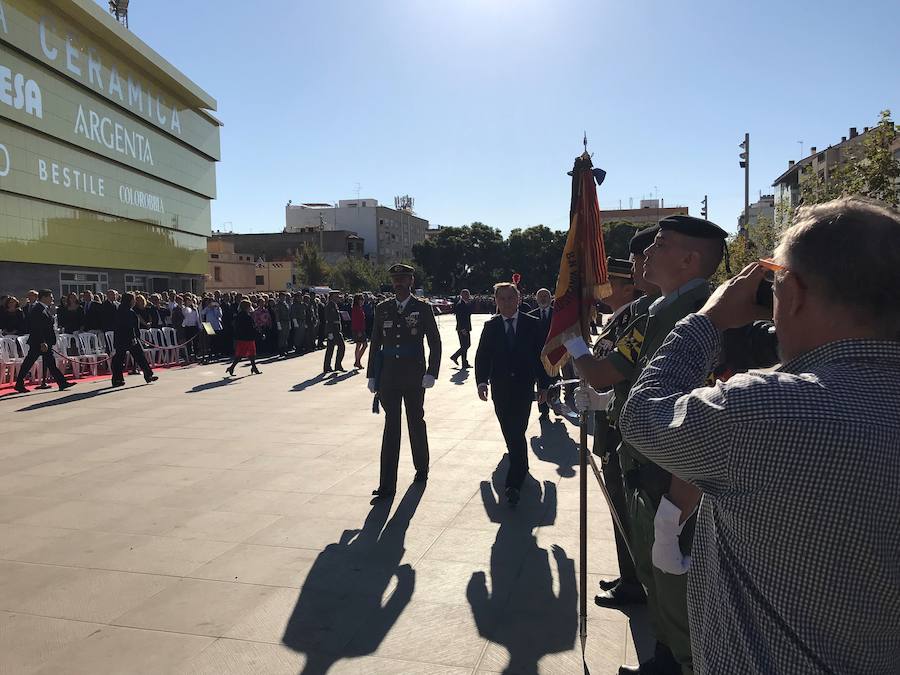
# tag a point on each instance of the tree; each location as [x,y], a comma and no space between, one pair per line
[355,274]
[534,253]
[312,270]
[617,236]
[743,250]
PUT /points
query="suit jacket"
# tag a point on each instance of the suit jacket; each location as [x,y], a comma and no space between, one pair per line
[40,326]
[127,329]
[463,311]
[512,373]
[398,343]
[108,315]
[92,316]
[545,323]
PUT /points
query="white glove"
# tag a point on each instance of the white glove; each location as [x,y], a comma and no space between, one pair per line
[588,398]
[427,381]
[577,347]
[372,384]
[331,336]
[666,552]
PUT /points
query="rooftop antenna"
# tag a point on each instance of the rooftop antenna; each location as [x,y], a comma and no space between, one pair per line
[119,9]
[801,149]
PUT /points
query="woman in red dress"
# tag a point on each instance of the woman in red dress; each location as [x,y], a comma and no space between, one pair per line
[244,338]
[358,328]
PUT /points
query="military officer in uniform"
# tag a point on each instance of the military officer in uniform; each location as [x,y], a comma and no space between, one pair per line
[333,334]
[398,375]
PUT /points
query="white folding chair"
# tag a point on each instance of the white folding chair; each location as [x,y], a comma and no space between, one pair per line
[89,350]
[164,352]
[35,373]
[67,344]
[170,337]
[151,352]
[9,359]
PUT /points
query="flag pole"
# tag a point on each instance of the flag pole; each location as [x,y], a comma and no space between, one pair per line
[582,526]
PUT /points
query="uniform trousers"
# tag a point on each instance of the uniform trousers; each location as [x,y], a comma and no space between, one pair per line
[299,337]
[49,362]
[335,340]
[465,341]
[513,413]
[118,361]
[414,401]
[666,593]
[612,478]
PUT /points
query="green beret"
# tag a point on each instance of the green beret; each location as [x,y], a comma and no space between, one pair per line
[619,268]
[642,239]
[401,270]
[693,227]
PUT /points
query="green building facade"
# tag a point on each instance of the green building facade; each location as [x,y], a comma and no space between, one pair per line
[107,156]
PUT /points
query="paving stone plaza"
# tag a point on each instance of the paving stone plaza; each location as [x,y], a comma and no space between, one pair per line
[210,525]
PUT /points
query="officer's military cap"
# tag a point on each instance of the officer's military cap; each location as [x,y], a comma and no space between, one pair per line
[693,227]
[401,270]
[642,239]
[619,268]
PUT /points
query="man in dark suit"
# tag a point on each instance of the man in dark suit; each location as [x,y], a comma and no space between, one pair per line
[508,363]
[41,341]
[397,374]
[463,310]
[127,339]
[544,314]
[108,311]
[333,333]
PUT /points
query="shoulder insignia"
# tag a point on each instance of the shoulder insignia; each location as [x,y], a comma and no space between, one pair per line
[629,345]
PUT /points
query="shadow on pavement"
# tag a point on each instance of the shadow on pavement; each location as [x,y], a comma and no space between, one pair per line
[215,384]
[554,445]
[340,378]
[521,611]
[72,398]
[310,382]
[339,612]
[460,376]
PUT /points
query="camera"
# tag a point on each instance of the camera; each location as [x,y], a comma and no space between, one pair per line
[765,295]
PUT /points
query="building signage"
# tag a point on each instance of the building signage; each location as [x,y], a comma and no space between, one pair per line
[46,102]
[41,30]
[38,167]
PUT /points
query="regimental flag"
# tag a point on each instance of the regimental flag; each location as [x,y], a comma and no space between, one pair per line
[582,271]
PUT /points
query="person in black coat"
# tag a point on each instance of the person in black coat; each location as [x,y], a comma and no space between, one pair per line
[463,310]
[92,314]
[127,339]
[107,312]
[41,341]
[12,318]
[244,338]
[70,315]
[508,364]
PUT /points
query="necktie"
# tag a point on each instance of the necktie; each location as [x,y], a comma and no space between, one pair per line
[510,333]
[544,314]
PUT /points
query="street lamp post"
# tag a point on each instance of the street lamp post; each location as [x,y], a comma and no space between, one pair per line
[745,165]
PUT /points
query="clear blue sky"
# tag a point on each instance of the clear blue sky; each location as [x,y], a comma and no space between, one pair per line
[477,107]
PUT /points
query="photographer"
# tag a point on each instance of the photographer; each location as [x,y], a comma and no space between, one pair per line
[799,468]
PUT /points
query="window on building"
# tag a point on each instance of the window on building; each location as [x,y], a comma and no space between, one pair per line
[135,282]
[214,255]
[76,282]
[260,280]
[217,273]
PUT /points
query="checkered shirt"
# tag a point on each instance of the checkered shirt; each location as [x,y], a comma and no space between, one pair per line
[796,558]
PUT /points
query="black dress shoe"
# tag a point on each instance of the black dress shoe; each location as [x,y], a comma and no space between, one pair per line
[152,378]
[608,584]
[455,360]
[66,385]
[340,369]
[327,370]
[21,388]
[383,493]
[118,383]
[512,496]
[466,366]
[621,595]
[421,477]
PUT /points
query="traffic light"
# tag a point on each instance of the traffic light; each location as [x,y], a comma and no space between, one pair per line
[745,146]
[704,208]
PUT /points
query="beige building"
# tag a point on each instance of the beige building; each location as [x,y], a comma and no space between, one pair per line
[272,277]
[228,271]
[650,213]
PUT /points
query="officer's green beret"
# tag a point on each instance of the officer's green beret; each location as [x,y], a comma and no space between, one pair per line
[642,239]
[401,270]
[619,268]
[692,227]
